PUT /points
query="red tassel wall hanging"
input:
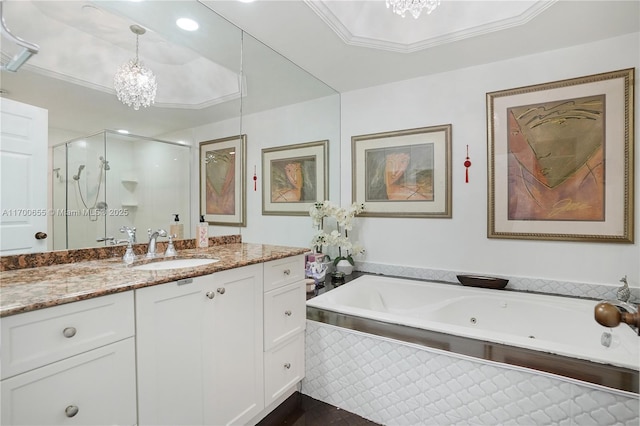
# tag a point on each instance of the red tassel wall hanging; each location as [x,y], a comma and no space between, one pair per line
[467,164]
[255,179]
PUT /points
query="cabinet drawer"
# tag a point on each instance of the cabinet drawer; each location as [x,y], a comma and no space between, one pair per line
[33,339]
[285,313]
[94,388]
[283,271]
[283,367]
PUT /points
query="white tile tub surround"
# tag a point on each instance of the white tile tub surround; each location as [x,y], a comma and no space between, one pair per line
[566,288]
[398,383]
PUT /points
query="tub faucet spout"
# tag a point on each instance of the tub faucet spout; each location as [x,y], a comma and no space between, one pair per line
[610,313]
[153,236]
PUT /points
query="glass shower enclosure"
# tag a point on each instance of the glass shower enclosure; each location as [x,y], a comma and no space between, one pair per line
[109,180]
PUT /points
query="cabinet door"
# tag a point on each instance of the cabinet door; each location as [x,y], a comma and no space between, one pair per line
[234,393]
[170,330]
[199,346]
[94,388]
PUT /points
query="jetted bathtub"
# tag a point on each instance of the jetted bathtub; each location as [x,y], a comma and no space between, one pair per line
[554,324]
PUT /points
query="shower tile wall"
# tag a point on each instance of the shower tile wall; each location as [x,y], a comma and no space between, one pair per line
[397,383]
[147,181]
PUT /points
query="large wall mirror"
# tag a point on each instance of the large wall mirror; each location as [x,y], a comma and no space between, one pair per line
[212,83]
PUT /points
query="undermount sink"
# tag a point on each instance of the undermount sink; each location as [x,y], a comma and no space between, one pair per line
[174,264]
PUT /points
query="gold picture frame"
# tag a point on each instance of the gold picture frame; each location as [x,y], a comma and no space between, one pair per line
[294,178]
[404,173]
[222,181]
[561,160]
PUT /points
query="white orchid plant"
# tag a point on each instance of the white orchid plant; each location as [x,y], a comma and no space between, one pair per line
[338,237]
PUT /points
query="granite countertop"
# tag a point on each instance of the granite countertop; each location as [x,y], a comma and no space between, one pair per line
[28,289]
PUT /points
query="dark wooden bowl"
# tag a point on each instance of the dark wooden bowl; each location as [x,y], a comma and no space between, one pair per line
[484,282]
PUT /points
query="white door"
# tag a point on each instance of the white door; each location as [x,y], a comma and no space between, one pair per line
[23,177]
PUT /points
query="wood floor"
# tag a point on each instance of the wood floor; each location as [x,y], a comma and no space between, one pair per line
[302,410]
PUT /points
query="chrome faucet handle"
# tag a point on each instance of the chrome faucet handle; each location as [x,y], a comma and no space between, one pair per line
[131,233]
[171,250]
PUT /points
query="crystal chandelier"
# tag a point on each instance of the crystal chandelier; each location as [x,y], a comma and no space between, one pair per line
[135,85]
[414,6]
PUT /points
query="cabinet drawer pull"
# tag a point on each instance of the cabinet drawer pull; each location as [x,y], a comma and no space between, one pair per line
[287,271]
[287,365]
[69,332]
[287,313]
[71,411]
[221,290]
[210,294]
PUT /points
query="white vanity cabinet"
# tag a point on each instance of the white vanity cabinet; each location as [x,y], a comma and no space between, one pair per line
[70,364]
[285,316]
[200,349]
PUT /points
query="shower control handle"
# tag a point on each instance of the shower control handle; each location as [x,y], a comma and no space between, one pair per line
[41,236]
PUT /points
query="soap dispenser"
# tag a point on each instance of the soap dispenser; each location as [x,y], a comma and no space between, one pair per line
[176,229]
[202,233]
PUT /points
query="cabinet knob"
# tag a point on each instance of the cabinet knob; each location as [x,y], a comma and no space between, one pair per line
[41,236]
[210,294]
[221,290]
[71,411]
[69,332]
[287,313]
[287,271]
[287,365]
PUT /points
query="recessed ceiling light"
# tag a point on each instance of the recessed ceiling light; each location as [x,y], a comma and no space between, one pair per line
[187,24]
[246,1]
[123,131]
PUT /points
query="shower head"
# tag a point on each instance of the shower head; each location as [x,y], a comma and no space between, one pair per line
[77,177]
[105,164]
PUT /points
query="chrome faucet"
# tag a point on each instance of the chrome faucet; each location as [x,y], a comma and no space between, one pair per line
[620,304]
[610,313]
[129,255]
[131,234]
[153,236]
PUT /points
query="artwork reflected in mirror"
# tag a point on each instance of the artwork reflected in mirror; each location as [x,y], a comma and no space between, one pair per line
[222,176]
[294,177]
[220,180]
[293,180]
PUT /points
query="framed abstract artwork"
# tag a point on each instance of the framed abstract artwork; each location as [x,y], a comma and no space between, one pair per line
[403,173]
[560,160]
[222,181]
[294,177]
